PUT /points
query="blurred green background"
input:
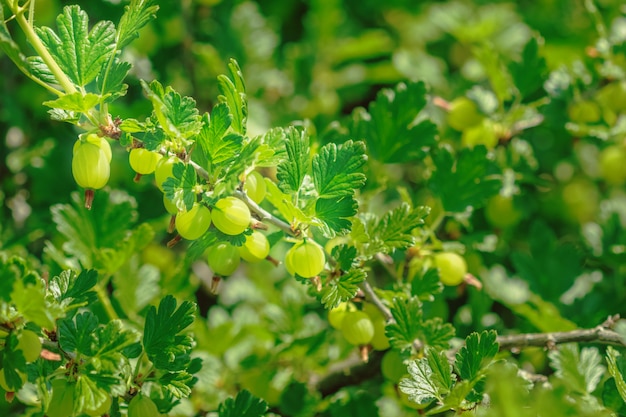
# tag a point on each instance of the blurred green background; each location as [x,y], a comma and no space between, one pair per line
[318,60]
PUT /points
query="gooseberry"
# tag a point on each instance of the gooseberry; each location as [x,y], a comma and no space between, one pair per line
[452,268]
[142,406]
[164,169]
[256,247]
[143,161]
[255,187]
[90,166]
[357,328]
[30,344]
[306,259]
[193,223]
[463,113]
[337,314]
[223,258]
[231,216]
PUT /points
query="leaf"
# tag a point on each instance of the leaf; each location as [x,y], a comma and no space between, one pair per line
[454,400]
[89,392]
[177,115]
[343,288]
[136,15]
[73,290]
[617,369]
[580,371]
[282,202]
[427,284]
[390,128]
[233,93]
[478,350]
[244,405]
[114,338]
[180,188]
[467,180]
[419,388]
[408,323]
[337,169]
[77,334]
[136,288]
[40,70]
[217,148]
[75,102]
[10,48]
[29,298]
[291,171]
[164,346]
[531,71]
[177,383]
[335,213]
[79,52]
[436,333]
[344,255]
[110,84]
[391,232]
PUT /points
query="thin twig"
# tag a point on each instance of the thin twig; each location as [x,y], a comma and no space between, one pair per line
[373,298]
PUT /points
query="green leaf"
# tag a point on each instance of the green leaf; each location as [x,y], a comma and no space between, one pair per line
[29,298]
[136,15]
[531,71]
[408,323]
[40,70]
[343,288]
[11,270]
[291,171]
[282,202]
[75,102]
[344,255]
[233,93]
[617,369]
[177,115]
[164,346]
[216,148]
[198,247]
[110,260]
[335,213]
[337,169]
[244,405]
[467,180]
[110,84]
[10,48]
[73,290]
[89,392]
[77,334]
[391,128]
[393,231]
[272,149]
[114,338]
[136,288]
[425,285]
[437,333]
[478,351]
[580,370]
[79,52]
[180,187]
[454,400]
[420,388]
[177,383]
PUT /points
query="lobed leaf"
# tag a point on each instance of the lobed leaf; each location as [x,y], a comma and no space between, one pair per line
[291,171]
[343,288]
[243,405]
[337,169]
[479,349]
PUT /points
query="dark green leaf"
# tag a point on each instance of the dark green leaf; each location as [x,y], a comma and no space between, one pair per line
[114,338]
[531,72]
[244,405]
[467,180]
[177,383]
[77,335]
[164,346]
[111,83]
[177,115]
[74,290]
[391,129]
[344,255]
[335,213]
[136,15]
[79,52]
[436,333]
[408,323]
[343,288]
[393,231]
[479,349]
[292,170]
[180,188]
[427,284]
[337,170]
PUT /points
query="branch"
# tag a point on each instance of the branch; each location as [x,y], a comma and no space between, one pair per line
[602,333]
[373,298]
[353,371]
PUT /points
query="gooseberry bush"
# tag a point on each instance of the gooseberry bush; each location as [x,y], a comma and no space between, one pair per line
[332,230]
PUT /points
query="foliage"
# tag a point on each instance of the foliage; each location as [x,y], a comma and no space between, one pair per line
[348,114]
